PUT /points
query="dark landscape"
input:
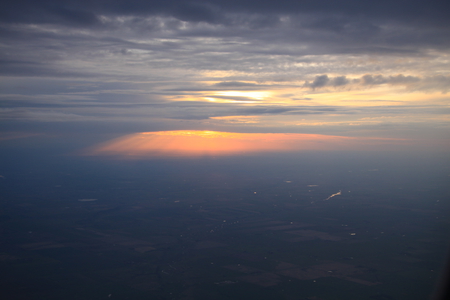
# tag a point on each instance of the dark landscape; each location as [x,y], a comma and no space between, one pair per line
[241,228]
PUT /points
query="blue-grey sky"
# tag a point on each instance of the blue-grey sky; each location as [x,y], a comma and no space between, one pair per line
[351,68]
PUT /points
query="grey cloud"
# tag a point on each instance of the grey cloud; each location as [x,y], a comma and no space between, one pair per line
[264,110]
[340,80]
[30,114]
[416,11]
[380,79]
[54,12]
[34,68]
[290,110]
[439,82]
[75,16]
[319,81]
[413,82]
[371,80]
[346,26]
[195,11]
[401,79]
[221,86]
[234,84]
[38,51]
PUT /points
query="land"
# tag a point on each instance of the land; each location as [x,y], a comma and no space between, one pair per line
[210,235]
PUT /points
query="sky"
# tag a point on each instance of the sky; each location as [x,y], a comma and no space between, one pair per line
[93,72]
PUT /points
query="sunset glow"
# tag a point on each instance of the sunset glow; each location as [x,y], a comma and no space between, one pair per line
[215,143]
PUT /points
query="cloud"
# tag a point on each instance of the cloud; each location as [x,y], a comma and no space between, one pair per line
[178,64]
[4,136]
[40,115]
[432,83]
[438,83]
[349,25]
[340,80]
[238,119]
[235,84]
[319,81]
[213,11]
[413,83]
[371,80]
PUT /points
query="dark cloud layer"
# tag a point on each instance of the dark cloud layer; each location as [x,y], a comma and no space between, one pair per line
[87,13]
[364,26]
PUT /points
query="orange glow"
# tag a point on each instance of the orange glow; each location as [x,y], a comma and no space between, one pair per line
[214,143]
